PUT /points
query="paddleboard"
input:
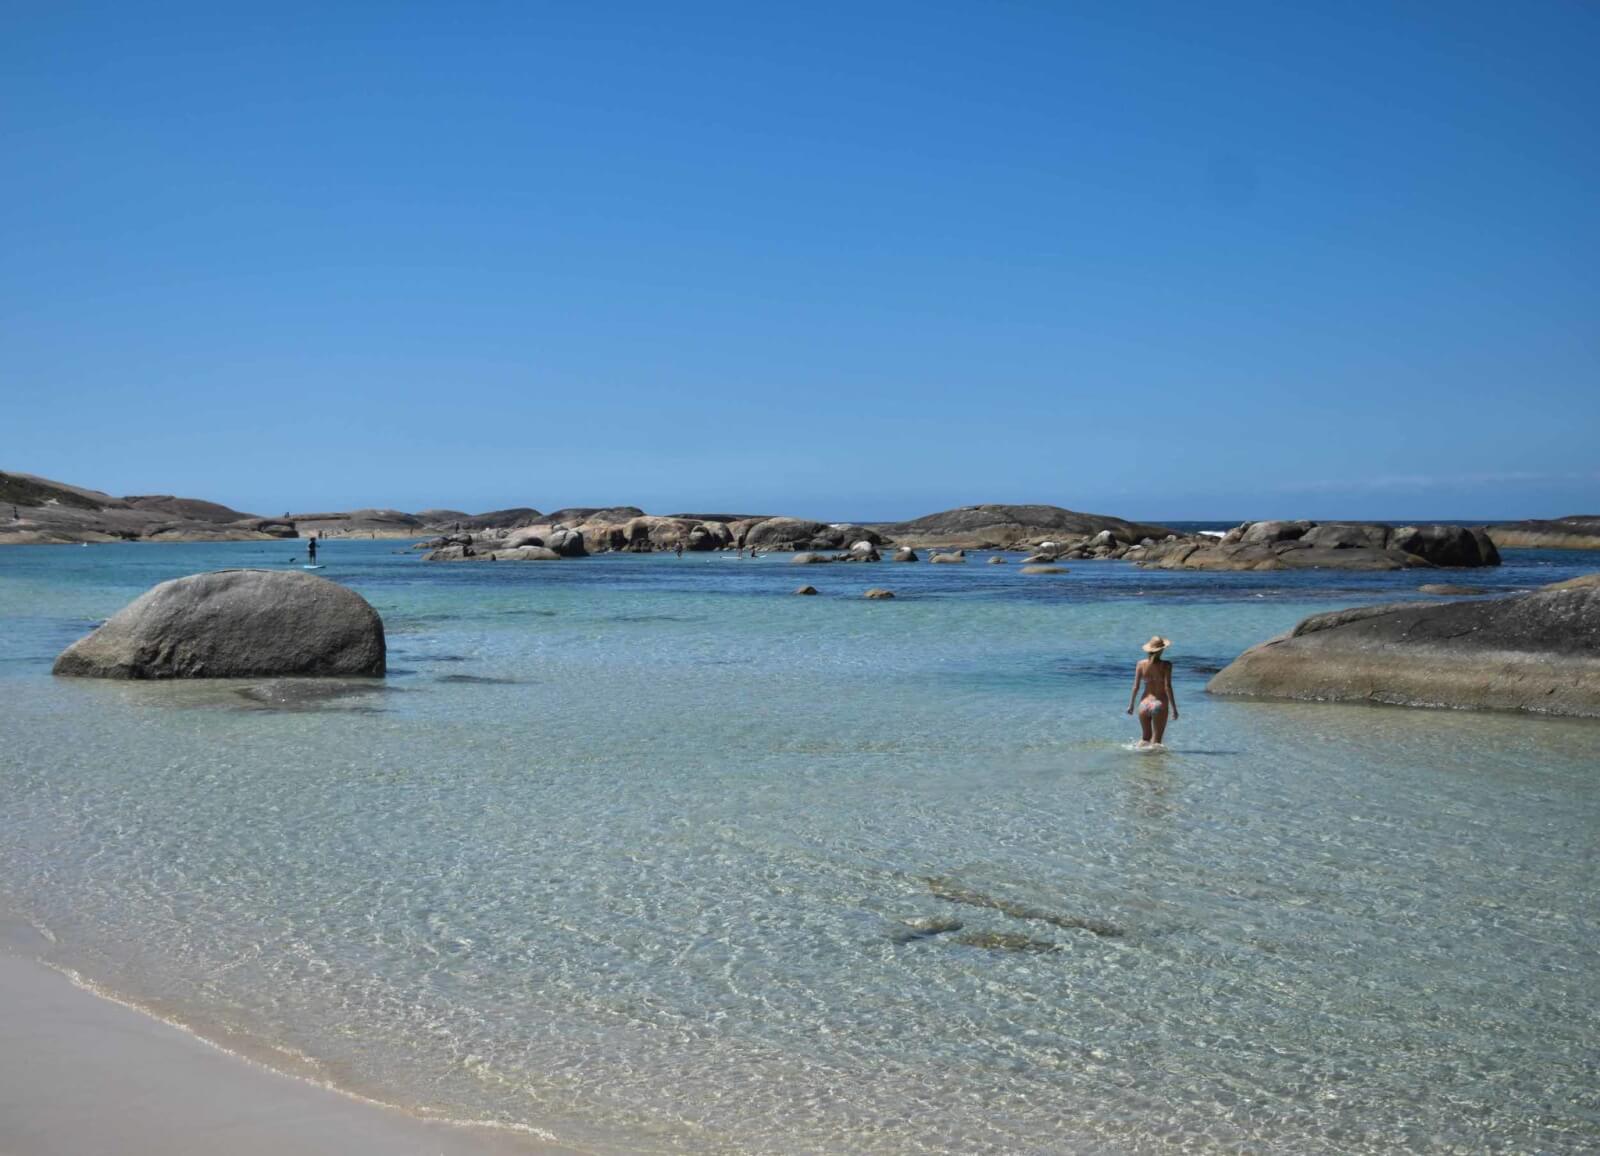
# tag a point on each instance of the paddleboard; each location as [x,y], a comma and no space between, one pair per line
[316,567]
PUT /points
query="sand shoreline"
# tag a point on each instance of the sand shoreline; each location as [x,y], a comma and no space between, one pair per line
[81,1073]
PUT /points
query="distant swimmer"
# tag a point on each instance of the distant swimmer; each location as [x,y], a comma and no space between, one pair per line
[1155,674]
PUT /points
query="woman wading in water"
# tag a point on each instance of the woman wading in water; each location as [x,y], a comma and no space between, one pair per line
[1155,673]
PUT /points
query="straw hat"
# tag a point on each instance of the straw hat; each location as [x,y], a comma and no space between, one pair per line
[1156,644]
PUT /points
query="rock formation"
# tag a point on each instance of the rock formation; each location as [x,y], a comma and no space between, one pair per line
[992,526]
[1538,651]
[1575,532]
[1309,545]
[234,624]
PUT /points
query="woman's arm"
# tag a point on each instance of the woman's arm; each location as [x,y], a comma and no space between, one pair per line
[1138,675]
[1172,692]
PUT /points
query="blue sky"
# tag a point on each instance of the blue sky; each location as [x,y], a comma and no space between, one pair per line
[859,260]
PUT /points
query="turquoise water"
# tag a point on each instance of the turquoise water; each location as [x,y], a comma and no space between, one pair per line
[623,848]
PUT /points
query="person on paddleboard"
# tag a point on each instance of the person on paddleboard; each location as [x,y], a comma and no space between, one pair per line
[311,548]
[1155,674]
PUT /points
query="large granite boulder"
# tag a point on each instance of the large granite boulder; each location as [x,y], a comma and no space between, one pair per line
[529,536]
[1346,536]
[787,534]
[234,624]
[1269,532]
[566,542]
[1532,652]
[710,536]
[1447,545]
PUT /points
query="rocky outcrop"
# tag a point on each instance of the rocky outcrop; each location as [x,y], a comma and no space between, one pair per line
[1536,652]
[1575,532]
[359,524]
[948,559]
[456,520]
[35,510]
[904,554]
[525,554]
[996,526]
[799,534]
[878,593]
[567,542]
[806,590]
[1313,545]
[234,624]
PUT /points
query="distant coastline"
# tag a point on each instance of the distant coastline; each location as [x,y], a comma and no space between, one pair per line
[40,511]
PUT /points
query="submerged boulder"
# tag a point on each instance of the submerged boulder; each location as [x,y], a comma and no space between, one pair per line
[1532,652]
[234,624]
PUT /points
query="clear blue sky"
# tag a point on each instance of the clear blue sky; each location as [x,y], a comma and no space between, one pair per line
[1163,260]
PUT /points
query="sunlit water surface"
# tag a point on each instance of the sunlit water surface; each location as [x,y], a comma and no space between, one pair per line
[623,850]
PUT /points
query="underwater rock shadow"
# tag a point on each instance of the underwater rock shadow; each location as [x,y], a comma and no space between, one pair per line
[292,695]
[953,892]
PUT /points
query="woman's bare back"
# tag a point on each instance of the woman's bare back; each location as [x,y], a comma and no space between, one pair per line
[1156,674]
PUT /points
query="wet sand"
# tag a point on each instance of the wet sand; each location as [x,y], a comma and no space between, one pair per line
[81,1075]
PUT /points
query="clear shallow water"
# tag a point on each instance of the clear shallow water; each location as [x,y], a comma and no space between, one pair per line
[623,848]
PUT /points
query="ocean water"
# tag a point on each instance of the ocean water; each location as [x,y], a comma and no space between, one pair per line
[624,851]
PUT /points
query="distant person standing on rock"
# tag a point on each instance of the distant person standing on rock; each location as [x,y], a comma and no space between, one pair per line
[1155,674]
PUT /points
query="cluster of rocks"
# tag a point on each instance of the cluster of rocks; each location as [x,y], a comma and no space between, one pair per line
[37,510]
[525,544]
[628,529]
[1310,545]
[862,551]
[1536,651]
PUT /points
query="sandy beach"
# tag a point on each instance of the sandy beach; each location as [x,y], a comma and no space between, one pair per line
[81,1074]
